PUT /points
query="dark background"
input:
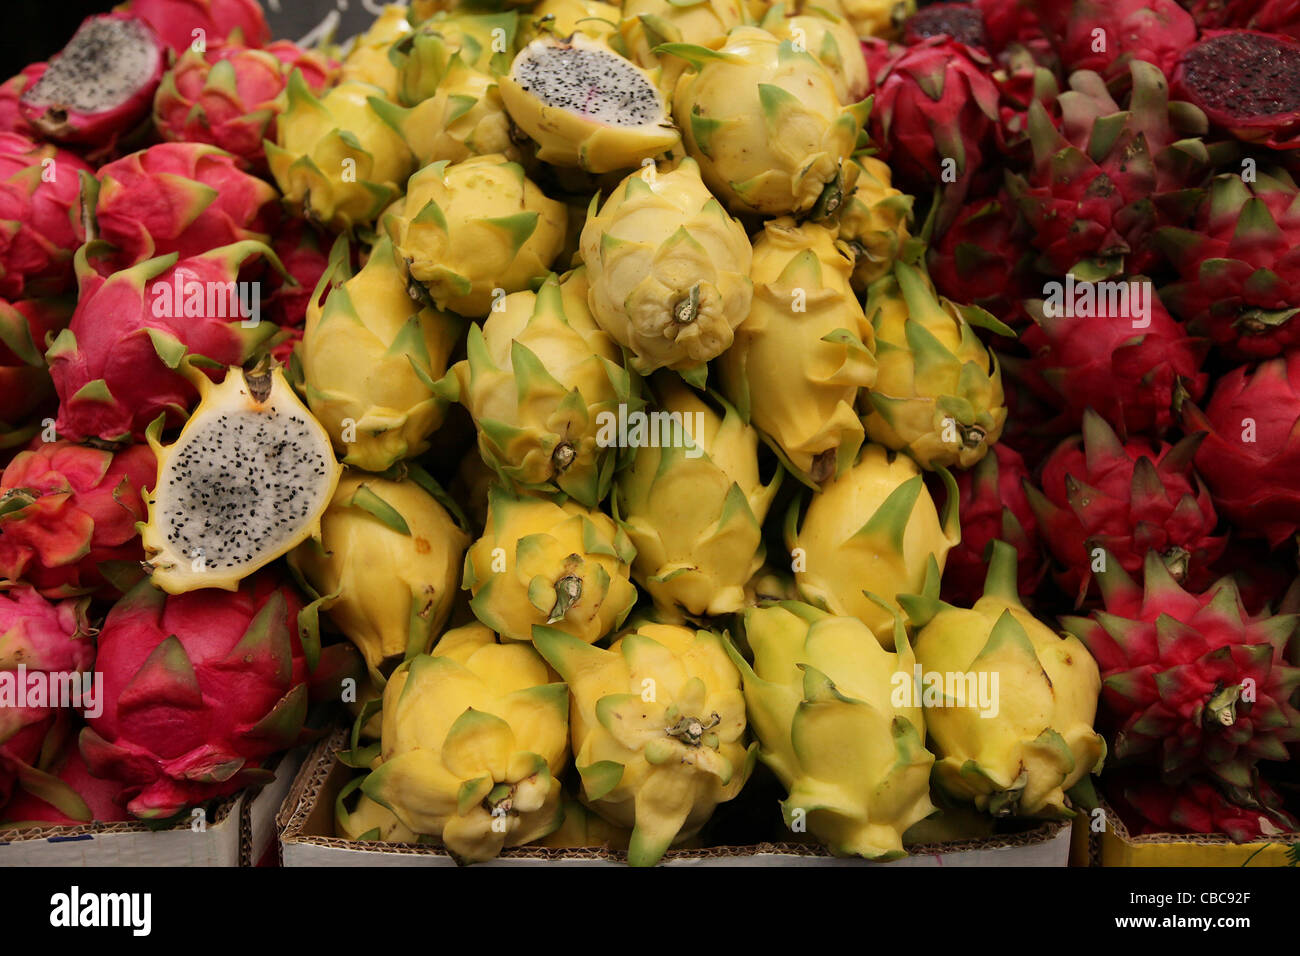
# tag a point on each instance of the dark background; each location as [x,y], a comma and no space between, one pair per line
[31,30]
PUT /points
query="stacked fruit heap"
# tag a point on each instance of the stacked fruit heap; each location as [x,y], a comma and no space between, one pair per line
[744,446]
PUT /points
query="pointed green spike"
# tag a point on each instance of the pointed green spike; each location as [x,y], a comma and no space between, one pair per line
[884,530]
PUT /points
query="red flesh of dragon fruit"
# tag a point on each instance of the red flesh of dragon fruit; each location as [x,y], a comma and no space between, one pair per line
[176,21]
[1133,370]
[230,95]
[934,101]
[102,798]
[199,690]
[1198,806]
[993,507]
[1107,177]
[962,22]
[1251,453]
[179,197]
[101,85]
[1247,83]
[1240,266]
[66,509]
[40,217]
[1128,498]
[114,366]
[1106,35]
[1191,683]
[25,384]
[41,636]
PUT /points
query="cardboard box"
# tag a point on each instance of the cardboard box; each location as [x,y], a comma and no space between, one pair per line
[1117,847]
[307,839]
[238,832]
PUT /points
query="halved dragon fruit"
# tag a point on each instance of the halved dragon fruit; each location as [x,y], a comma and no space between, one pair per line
[1248,83]
[100,85]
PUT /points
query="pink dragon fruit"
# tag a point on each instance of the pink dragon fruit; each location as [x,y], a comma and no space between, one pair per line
[1106,35]
[1127,498]
[230,95]
[178,197]
[1251,453]
[114,367]
[993,507]
[11,91]
[101,85]
[1247,83]
[41,636]
[984,258]
[1133,370]
[199,689]
[304,252]
[1198,806]
[183,23]
[66,510]
[99,800]
[934,102]
[25,385]
[40,221]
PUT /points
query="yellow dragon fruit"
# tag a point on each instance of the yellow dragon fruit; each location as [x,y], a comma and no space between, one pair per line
[658,726]
[370,357]
[647,24]
[873,18]
[765,124]
[473,738]
[336,161]
[807,331]
[483,42]
[385,565]
[540,563]
[824,702]
[870,535]
[368,61]
[830,39]
[584,105]
[938,392]
[669,270]
[873,221]
[538,376]
[1039,742]
[472,232]
[693,504]
[463,116]
[363,820]
[563,18]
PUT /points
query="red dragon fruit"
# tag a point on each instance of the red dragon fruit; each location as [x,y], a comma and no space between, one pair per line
[11,91]
[1133,369]
[1128,499]
[984,258]
[114,367]
[40,636]
[1106,35]
[100,800]
[934,102]
[183,23]
[1191,683]
[304,253]
[1251,453]
[101,85]
[199,690]
[25,385]
[1107,177]
[962,22]
[67,509]
[1008,22]
[1247,83]
[1275,16]
[40,220]
[1198,806]
[1240,265]
[178,197]
[1263,574]
[230,95]
[993,507]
